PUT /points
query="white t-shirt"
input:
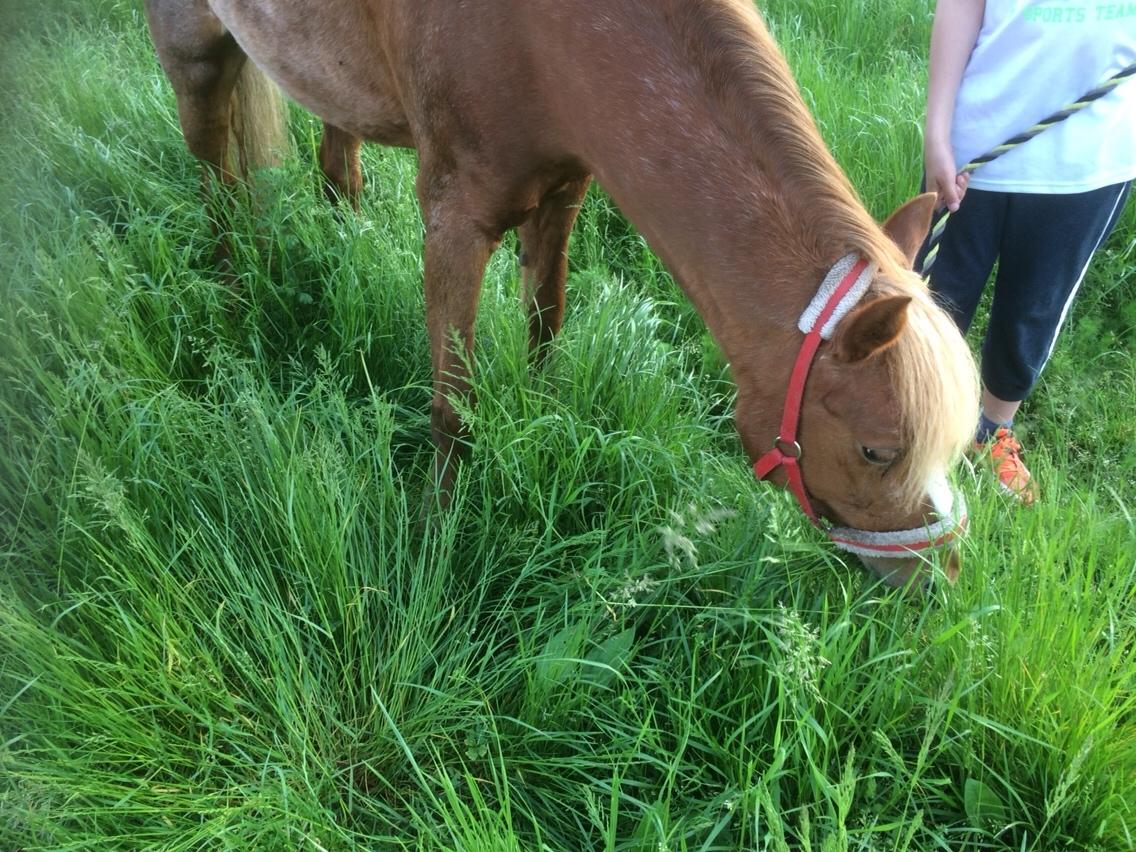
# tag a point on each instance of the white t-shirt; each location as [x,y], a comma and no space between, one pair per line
[1031,59]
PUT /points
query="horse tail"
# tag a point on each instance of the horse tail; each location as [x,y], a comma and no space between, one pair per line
[260,134]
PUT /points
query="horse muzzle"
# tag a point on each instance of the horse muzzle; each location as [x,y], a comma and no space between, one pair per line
[899,556]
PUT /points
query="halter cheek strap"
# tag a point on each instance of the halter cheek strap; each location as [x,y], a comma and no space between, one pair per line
[841,289]
[838,294]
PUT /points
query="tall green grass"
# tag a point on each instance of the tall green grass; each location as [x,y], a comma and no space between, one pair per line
[223,623]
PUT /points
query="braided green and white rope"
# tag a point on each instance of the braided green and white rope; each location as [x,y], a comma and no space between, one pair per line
[1100,91]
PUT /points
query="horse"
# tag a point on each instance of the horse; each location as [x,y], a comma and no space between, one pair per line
[687,114]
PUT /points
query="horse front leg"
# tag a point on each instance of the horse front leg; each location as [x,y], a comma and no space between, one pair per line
[457,248]
[544,262]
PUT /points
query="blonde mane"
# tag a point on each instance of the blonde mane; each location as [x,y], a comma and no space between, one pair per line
[931,368]
[936,386]
[750,81]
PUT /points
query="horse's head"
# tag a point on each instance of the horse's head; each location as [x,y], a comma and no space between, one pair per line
[889,403]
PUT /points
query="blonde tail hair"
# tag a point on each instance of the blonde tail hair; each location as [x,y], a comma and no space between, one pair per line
[259,131]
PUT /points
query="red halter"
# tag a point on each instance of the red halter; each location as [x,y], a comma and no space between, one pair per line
[786,451]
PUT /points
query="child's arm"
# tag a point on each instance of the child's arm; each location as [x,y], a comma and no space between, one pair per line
[953,35]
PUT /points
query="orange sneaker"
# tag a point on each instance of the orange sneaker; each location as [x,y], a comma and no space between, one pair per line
[1006,457]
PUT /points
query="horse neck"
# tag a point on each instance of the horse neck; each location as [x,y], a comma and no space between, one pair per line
[721,169]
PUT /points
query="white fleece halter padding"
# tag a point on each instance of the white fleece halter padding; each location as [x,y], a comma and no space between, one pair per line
[827,287]
[950,507]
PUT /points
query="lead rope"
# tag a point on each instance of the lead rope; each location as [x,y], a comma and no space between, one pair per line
[1100,91]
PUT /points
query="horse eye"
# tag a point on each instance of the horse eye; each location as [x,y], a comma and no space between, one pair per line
[874,456]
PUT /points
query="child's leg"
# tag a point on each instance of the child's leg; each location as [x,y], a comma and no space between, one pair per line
[1048,241]
[967,253]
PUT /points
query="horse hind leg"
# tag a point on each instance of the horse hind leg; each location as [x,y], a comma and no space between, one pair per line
[544,262]
[202,62]
[339,162]
[231,117]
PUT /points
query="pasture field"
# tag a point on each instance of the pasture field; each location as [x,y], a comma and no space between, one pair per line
[222,625]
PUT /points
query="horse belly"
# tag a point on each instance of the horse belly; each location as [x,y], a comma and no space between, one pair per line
[328,56]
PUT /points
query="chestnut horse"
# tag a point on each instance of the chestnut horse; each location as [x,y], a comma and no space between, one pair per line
[687,114]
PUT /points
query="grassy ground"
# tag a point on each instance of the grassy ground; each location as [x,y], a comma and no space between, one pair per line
[221,625]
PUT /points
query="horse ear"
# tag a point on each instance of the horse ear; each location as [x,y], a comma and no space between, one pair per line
[871,328]
[908,225]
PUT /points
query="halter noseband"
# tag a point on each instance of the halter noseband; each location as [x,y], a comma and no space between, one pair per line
[841,289]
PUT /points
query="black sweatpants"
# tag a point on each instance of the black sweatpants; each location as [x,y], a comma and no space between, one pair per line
[1043,245]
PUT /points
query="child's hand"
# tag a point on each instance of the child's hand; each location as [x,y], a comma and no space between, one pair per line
[948,185]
